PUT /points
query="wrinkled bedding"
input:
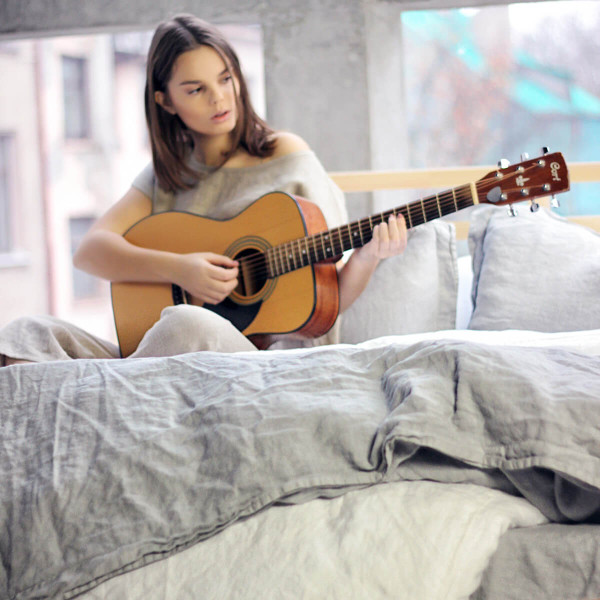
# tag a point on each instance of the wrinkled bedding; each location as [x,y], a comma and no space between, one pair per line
[551,561]
[405,540]
[108,466]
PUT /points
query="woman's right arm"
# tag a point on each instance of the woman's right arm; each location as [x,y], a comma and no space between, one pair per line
[104,252]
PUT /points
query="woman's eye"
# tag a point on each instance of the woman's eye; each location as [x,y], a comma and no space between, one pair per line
[195,91]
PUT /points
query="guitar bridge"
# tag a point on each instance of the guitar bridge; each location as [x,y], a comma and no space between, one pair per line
[178,295]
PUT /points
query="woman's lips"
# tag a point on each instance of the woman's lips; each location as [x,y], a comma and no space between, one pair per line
[221,116]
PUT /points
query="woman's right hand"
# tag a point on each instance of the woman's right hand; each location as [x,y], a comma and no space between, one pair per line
[104,252]
[207,276]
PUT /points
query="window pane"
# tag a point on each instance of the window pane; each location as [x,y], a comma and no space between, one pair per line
[6,146]
[488,83]
[75,97]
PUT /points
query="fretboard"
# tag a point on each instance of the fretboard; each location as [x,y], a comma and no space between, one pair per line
[333,243]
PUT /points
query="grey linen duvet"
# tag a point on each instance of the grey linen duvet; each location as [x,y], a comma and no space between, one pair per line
[108,465]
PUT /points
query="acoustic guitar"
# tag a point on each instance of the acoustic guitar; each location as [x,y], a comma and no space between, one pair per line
[287,274]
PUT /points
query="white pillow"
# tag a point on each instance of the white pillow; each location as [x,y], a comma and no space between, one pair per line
[536,271]
[414,292]
[464,302]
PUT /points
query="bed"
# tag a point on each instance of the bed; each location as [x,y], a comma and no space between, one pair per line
[449,447]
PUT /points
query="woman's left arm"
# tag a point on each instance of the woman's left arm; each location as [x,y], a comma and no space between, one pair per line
[389,239]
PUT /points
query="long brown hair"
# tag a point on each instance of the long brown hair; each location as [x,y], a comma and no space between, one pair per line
[170,139]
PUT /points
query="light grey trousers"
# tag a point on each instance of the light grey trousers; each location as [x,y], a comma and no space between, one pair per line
[180,329]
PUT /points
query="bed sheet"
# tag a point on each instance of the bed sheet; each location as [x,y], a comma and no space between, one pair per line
[550,562]
[481,514]
[403,540]
[400,540]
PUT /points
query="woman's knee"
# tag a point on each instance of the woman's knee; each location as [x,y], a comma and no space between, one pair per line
[188,328]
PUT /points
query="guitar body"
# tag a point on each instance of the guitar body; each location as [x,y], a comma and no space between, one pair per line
[303,301]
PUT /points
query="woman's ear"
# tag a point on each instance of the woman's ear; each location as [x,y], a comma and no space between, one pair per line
[163,101]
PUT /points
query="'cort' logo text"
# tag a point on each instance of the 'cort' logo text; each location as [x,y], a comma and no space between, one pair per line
[554,167]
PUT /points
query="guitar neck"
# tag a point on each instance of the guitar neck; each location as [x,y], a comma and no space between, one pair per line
[334,242]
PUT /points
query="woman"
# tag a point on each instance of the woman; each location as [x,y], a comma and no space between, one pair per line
[213,156]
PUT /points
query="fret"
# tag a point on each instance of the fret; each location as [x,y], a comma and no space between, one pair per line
[462,200]
[350,238]
[431,211]
[410,223]
[300,253]
[314,247]
[437,199]
[454,198]
[307,251]
[292,255]
[417,215]
[359,225]
[423,210]
[280,256]
[328,249]
[323,245]
[339,232]
[272,261]
[297,257]
[356,233]
[285,258]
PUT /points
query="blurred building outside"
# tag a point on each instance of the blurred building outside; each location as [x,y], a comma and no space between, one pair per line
[479,86]
[72,138]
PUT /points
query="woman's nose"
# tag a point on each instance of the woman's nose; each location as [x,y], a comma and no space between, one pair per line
[216,96]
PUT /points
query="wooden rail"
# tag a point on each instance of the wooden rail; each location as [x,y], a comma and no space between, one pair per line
[366,181]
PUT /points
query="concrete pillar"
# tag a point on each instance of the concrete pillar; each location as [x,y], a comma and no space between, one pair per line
[317,84]
[388,148]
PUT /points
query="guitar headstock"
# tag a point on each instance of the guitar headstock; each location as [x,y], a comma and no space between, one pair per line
[530,179]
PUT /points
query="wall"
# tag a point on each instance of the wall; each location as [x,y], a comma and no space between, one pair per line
[23,271]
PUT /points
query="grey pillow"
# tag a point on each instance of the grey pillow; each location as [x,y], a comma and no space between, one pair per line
[536,271]
[414,292]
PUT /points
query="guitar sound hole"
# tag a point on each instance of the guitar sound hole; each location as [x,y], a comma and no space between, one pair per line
[253,272]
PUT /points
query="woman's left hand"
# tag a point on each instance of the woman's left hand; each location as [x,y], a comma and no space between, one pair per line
[389,239]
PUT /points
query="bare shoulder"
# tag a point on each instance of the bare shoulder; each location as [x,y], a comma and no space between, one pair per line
[287,143]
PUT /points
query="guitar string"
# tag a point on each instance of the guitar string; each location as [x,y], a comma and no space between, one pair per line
[256,264]
[287,256]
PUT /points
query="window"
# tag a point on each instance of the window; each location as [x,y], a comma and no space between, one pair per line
[75,90]
[84,284]
[6,187]
[493,82]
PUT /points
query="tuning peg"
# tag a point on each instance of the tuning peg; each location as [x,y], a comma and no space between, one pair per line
[534,206]
[545,150]
[554,203]
[503,163]
[524,156]
[512,211]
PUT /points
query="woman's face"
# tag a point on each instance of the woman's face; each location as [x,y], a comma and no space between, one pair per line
[202,92]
